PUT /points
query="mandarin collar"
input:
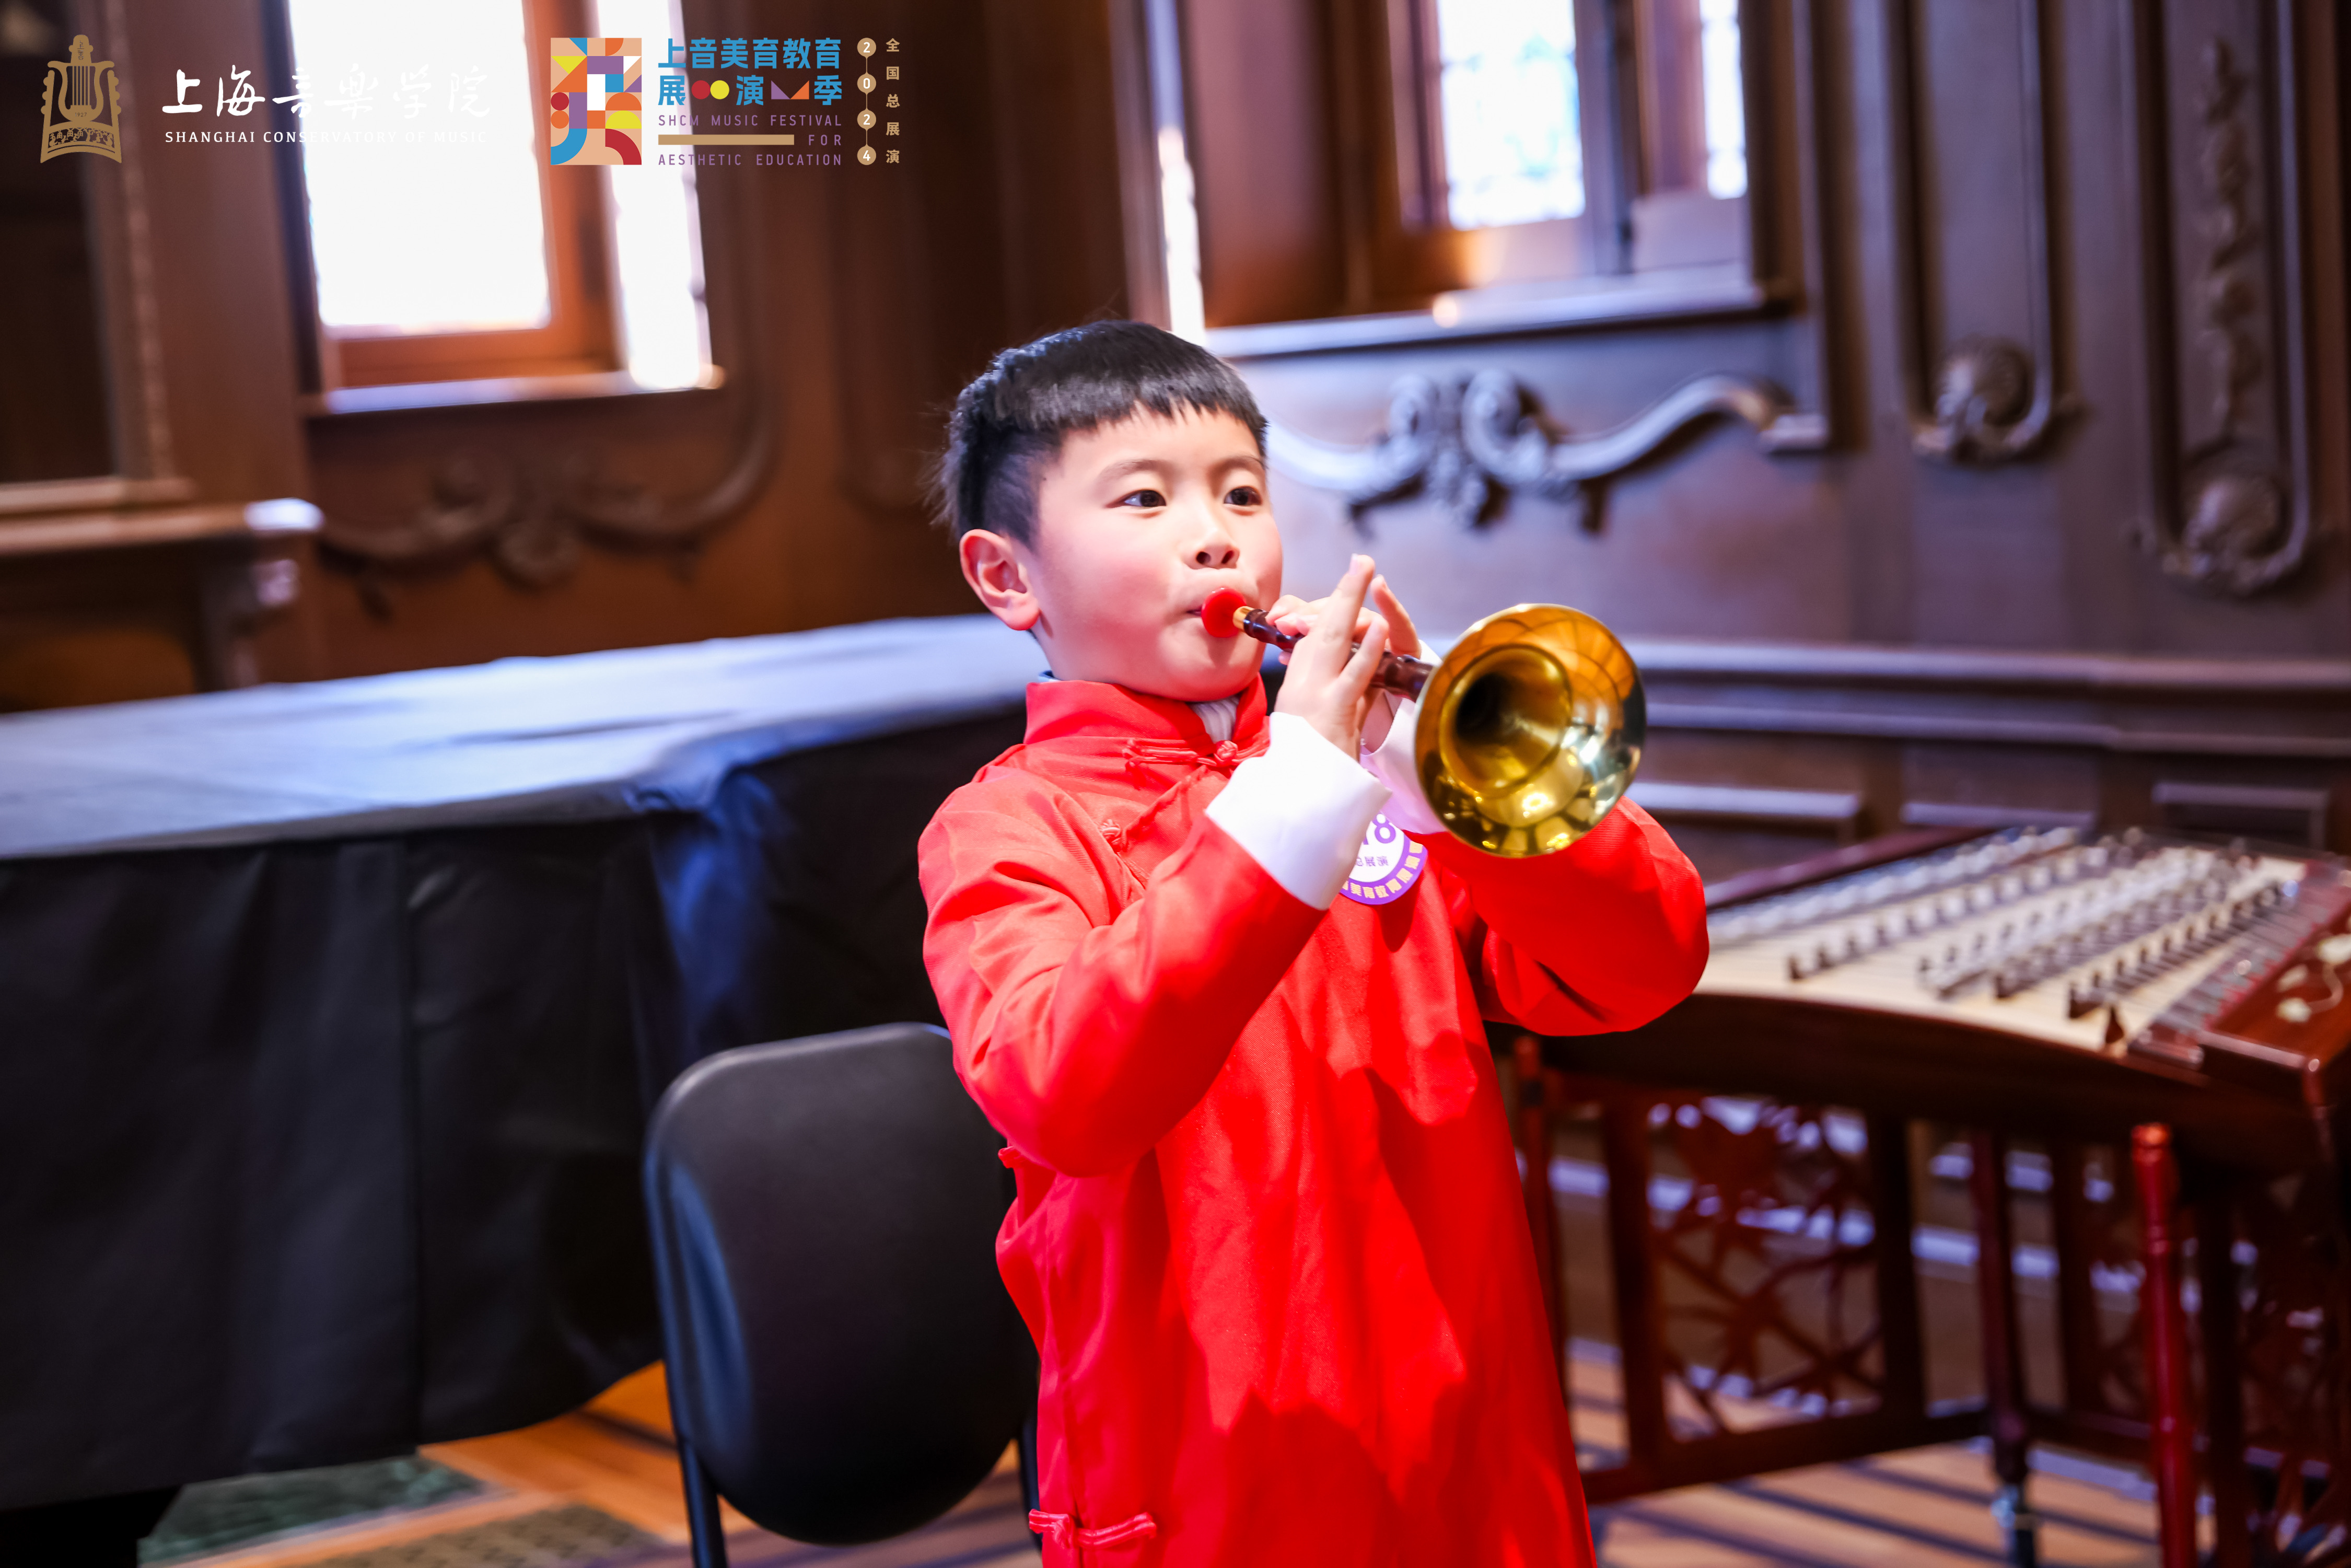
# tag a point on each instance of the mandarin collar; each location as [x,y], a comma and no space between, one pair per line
[1060,710]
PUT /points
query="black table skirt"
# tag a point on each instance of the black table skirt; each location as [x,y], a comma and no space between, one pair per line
[317,1150]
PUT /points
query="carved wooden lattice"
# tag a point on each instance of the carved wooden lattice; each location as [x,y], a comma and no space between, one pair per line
[2271,1298]
[1765,1248]
[2287,1264]
[1752,1291]
[1768,1314]
[2101,1315]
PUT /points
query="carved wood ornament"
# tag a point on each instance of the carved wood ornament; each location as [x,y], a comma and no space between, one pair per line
[1991,399]
[533,510]
[2241,523]
[1468,442]
[532,513]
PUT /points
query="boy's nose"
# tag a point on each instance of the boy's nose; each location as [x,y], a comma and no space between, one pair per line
[1221,553]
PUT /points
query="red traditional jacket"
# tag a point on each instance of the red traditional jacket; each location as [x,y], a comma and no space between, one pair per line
[1269,1236]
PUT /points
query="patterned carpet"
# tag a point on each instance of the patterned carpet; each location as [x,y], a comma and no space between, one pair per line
[1927,1509]
[599,1488]
[214,1516]
[575,1536]
[988,1529]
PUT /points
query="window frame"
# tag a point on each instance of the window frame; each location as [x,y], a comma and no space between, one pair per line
[1632,221]
[582,336]
[1417,250]
[1682,224]
[1362,276]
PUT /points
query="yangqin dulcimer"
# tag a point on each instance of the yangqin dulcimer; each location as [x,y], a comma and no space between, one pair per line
[2203,955]
[2182,999]
[2045,980]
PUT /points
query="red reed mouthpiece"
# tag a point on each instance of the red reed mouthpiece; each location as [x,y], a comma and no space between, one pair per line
[1223,612]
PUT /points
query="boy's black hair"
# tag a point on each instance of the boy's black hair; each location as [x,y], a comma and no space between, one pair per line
[1016,415]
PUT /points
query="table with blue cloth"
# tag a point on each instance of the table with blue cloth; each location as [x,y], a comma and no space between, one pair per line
[331,1017]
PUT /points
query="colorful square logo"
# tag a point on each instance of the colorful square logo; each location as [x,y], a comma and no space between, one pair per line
[596,107]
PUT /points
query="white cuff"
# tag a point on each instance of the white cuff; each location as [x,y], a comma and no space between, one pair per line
[1301,809]
[1392,765]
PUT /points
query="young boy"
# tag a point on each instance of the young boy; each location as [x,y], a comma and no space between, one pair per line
[1270,1235]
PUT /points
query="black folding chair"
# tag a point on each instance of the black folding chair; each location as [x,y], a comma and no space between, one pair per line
[844,1364]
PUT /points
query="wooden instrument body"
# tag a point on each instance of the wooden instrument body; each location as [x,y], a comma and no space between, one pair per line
[2257,1093]
[2251,1114]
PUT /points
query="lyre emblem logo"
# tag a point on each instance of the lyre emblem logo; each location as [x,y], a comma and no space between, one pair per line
[81,90]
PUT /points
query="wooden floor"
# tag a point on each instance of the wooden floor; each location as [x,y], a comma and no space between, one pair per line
[1927,1508]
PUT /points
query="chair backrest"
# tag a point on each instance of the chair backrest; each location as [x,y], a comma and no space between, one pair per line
[842,1355]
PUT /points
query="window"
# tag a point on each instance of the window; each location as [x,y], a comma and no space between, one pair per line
[1443,165]
[1691,132]
[1533,143]
[443,245]
[1514,150]
[1723,87]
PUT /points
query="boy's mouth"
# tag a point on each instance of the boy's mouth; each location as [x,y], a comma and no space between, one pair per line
[1191,609]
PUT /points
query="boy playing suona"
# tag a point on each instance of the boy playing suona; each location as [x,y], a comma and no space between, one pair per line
[1269,1236]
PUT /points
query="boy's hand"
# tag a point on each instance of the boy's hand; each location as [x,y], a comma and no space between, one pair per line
[1327,685]
[1292,614]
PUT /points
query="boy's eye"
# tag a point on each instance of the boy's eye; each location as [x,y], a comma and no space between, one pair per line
[1244,495]
[1142,498]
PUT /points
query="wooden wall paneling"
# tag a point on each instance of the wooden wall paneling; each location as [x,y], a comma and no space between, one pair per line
[2236,136]
[1487,424]
[1789,143]
[1136,109]
[1981,739]
[55,427]
[461,535]
[1973,344]
[117,203]
[982,248]
[1968,111]
[553,524]
[2099,471]
[200,381]
[1466,487]
[121,237]
[223,341]
[892,304]
[1360,142]
[886,334]
[1946,786]
[153,602]
[1257,115]
[847,306]
[2281,813]
[1987,145]
[1875,488]
[1056,152]
[1860,776]
[998,240]
[1652,559]
[2323,58]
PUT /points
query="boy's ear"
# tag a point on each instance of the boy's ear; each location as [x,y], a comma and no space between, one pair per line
[992,564]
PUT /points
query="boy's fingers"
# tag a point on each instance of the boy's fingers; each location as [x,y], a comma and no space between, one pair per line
[1402,634]
[1338,612]
[1292,614]
[1365,663]
[1346,600]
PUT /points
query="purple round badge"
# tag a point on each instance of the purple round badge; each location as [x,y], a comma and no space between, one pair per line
[1387,864]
